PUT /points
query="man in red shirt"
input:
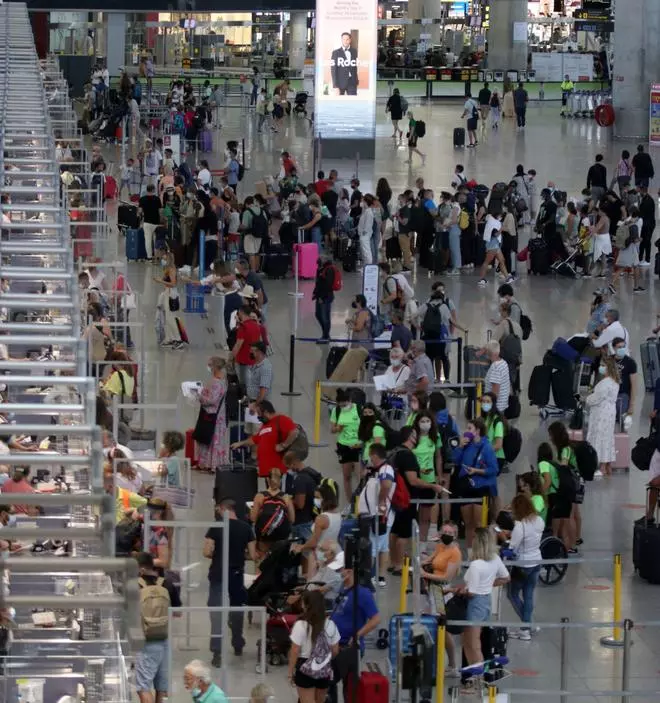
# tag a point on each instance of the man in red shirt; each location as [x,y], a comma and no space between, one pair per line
[18,483]
[278,432]
[322,184]
[248,333]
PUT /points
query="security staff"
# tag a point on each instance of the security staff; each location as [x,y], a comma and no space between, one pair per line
[567,88]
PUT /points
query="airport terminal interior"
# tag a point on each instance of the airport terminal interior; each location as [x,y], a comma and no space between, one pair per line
[568,663]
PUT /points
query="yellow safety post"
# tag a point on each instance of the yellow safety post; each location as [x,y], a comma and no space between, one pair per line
[478,407]
[405,576]
[440,665]
[484,512]
[317,413]
[492,694]
[617,596]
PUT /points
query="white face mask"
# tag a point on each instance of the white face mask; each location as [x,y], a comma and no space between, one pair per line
[424,427]
[317,503]
[396,361]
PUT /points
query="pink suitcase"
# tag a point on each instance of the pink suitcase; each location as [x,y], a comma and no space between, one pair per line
[306,255]
[621,446]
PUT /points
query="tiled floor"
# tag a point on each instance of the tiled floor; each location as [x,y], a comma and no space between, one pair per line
[560,151]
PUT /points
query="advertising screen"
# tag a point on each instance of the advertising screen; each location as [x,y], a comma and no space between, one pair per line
[345,89]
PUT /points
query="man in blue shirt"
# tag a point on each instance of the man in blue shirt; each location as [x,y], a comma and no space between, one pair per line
[231,170]
[368,619]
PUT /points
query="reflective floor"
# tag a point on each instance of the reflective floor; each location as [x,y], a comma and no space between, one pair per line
[560,151]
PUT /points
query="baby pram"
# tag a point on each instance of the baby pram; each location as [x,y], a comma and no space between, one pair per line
[577,249]
[300,103]
[106,128]
[278,580]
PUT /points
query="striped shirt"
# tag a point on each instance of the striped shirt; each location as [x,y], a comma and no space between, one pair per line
[498,373]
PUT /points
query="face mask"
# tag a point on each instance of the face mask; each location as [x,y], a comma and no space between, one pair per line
[353,304]
[503,301]
[602,370]
[317,503]
[621,352]
[424,427]
[196,692]
[261,419]
[468,435]
[189,196]
[395,362]
[209,369]
[486,407]
[446,539]
[163,262]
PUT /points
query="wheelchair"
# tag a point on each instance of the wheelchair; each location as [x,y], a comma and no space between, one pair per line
[552,548]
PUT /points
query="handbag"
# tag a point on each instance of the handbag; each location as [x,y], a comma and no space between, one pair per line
[456,609]
[174,304]
[205,425]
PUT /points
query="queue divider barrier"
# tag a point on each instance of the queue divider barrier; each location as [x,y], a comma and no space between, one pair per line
[484,512]
[405,577]
[615,639]
[181,496]
[440,662]
[117,406]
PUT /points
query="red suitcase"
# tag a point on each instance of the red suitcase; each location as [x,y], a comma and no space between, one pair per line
[110,192]
[190,448]
[373,687]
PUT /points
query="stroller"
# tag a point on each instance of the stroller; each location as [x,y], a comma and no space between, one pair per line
[300,103]
[106,128]
[277,581]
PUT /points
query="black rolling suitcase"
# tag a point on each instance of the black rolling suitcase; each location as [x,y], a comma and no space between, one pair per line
[238,483]
[459,137]
[539,256]
[562,390]
[276,261]
[335,355]
[538,389]
[127,216]
[646,548]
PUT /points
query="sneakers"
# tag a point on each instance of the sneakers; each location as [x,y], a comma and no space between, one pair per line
[482,283]
[453,272]
[598,474]
[509,279]
[382,582]
[572,552]
[638,289]
[644,263]
[452,673]
[216,662]
[523,634]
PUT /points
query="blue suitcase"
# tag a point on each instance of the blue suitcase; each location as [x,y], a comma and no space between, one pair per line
[564,350]
[136,249]
[431,623]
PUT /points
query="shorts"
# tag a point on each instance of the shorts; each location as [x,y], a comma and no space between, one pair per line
[348,455]
[380,544]
[654,467]
[477,494]
[558,507]
[478,608]
[304,681]
[251,245]
[151,667]
[472,124]
[302,531]
[493,244]
[403,521]
[426,494]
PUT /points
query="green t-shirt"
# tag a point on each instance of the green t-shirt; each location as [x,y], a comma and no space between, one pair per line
[545,467]
[539,505]
[425,453]
[378,433]
[568,456]
[410,420]
[495,430]
[349,419]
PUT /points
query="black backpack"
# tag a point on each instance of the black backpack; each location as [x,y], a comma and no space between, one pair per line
[273,522]
[568,482]
[432,325]
[420,128]
[259,227]
[511,349]
[586,459]
[392,438]
[512,443]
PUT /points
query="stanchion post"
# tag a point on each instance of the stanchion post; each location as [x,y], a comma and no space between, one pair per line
[492,694]
[405,576]
[243,150]
[292,361]
[625,666]
[317,412]
[478,403]
[459,364]
[440,665]
[484,512]
[563,660]
[615,640]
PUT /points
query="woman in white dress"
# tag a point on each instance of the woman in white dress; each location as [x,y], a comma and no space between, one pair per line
[602,414]
[602,241]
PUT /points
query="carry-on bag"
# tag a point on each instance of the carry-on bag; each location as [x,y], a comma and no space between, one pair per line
[238,483]
[564,350]
[335,355]
[404,630]
[277,261]
[373,686]
[539,256]
[646,548]
[650,355]
[306,258]
[459,137]
[127,216]
[475,367]
[562,390]
[136,249]
[538,389]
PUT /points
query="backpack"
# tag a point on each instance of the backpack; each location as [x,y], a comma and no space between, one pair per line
[420,128]
[319,663]
[512,443]
[376,324]
[511,348]
[475,112]
[432,326]
[241,170]
[179,124]
[464,219]
[568,481]
[404,105]
[447,431]
[259,226]
[525,325]
[401,496]
[622,235]
[337,280]
[391,435]
[586,459]
[127,533]
[103,301]
[300,444]
[125,414]
[154,608]
[273,521]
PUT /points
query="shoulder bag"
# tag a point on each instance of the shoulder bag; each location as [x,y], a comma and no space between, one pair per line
[205,425]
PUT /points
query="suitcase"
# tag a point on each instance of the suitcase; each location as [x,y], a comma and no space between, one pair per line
[238,483]
[623,450]
[276,261]
[136,249]
[348,369]
[539,256]
[335,355]
[646,548]
[350,258]
[564,350]
[189,450]
[650,355]
[407,620]
[306,258]
[127,216]
[538,388]
[475,367]
[206,141]
[562,390]
[110,188]
[459,137]
[656,265]
[373,687]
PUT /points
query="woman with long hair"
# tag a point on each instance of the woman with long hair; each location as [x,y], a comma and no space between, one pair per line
[525,541]
[569,529]
[531,485]
[418,402]
[314,643]
[168,304]
[212,399]
[495,427]
[602,414]
[345,423]
[486,571]
[428,452]
[370,431]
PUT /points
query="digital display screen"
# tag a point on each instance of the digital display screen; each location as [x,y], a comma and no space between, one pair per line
[345,80]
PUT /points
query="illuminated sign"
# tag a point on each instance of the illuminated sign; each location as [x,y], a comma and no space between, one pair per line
[345,88]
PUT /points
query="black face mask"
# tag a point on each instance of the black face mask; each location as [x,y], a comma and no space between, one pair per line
[446,539]
[353,304]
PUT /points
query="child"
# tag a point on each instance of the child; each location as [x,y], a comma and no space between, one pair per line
[126,176]
[233,235]
[173,442]
[261,693]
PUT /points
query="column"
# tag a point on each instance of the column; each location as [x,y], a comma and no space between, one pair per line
[503,53]
[116,40]
[297,41]
[636,60]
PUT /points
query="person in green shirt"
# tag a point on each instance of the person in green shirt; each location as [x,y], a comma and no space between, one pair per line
[495,434]
[345,423]
[428,452]
[371,430]
[570,528]
[530,484]
[419,401]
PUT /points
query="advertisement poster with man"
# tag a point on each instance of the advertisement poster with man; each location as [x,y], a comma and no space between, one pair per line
[345,90]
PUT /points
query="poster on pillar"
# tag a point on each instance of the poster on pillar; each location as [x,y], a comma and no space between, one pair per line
[345,90]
